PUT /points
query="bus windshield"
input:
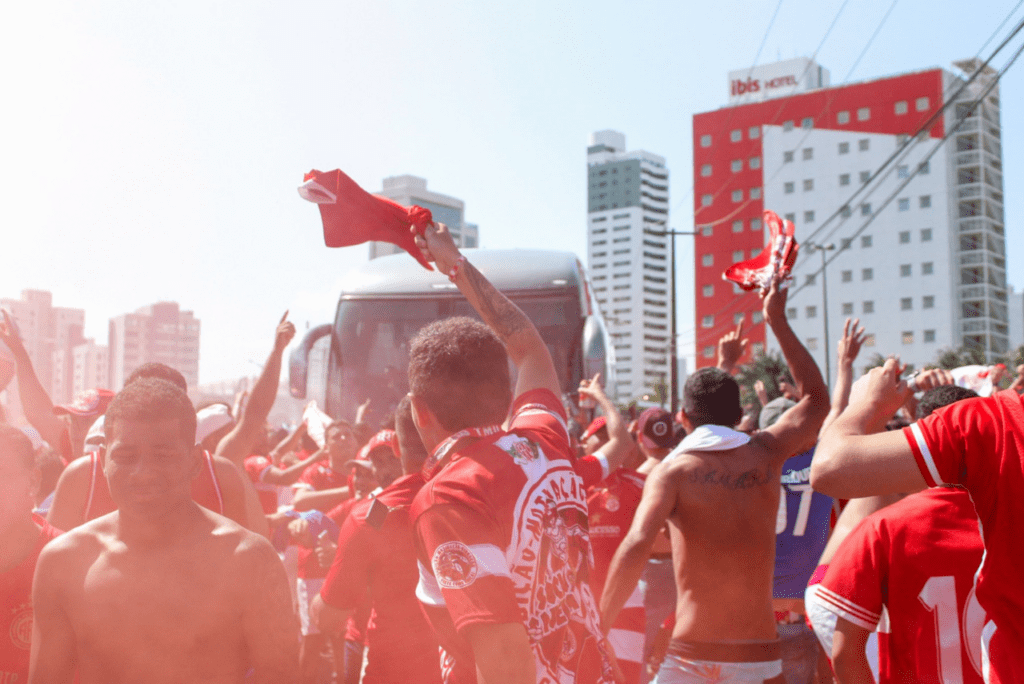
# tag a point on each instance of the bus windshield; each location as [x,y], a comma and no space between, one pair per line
[373,341]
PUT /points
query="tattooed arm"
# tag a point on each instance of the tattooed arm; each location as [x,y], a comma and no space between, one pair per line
[525,346]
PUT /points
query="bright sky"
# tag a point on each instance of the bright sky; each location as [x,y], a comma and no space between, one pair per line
[151,150]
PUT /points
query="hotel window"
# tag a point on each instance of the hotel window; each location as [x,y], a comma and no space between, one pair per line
[757,317]
[754,132]
[808,217]
[705,170]
[865,176]
[807,123]
[706,230]
[845,211]
[787,157]
[709,352]
[708,290]
[903,204]
[707,260]
[736,135]
[755,162]
[847,276]
[867,274]
[923,168]
[812,343]
[736,165]
[737,318]
[904,270]
[787,126]
[705,141]
[755,224]
[789,187]
[869,341]
[755,252]
[706,200]
[864,144]
[809,279]
[863,114]
[755,193]
[908,337]
[921,104]
[925,201]
[929,335]
[904,237]
[867,307]
[737,256]
[808,153]
[928,302]
[865,209]
[843,118]
[791,313]
[844,148]
[926,235]
[865,241]
[903,171]
[808,184]
[737,195]
[847,308]
[790,217]
[906,303]
[901,107]
[844,179]
[737,226]
[927,268]
[707,322]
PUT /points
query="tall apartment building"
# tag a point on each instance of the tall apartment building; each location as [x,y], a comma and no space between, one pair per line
[90,366]
[923,272]
[409,190]
[628,257]
[161,333]
[49,334]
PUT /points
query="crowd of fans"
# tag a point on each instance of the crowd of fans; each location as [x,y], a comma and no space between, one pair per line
[492,531]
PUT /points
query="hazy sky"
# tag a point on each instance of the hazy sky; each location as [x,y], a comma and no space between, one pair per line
[151,150]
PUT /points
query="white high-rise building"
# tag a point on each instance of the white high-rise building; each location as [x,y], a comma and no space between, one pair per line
[160,333]
[89,366]
[409,190]
[629,261]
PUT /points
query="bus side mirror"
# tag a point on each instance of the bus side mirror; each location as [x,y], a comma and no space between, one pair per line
[298,361]
[595,349]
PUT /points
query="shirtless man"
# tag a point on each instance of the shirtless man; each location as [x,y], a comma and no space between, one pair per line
[719,491]
[162,589]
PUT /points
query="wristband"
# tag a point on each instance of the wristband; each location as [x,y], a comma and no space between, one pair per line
[454,272]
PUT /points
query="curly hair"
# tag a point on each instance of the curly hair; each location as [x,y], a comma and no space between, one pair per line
[152,399]
[459,368]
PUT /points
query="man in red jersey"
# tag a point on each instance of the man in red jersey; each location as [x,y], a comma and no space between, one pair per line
[160,590]
[376,552]
[501,525]
[978,443]
[24,536]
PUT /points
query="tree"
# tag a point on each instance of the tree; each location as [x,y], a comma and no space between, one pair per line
[764,367]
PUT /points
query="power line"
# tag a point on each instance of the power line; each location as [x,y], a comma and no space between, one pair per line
[871,40]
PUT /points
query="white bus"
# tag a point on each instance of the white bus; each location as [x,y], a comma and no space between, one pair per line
[364,354]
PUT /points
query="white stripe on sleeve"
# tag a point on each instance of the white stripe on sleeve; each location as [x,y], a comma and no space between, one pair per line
[926,454]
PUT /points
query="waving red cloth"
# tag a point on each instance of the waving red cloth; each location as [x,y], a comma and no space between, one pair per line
[777,258]
[353,216]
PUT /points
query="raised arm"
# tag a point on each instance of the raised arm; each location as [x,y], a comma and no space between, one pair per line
[286,476]
[730,348]
[620,443]
[35,401]
[656,504]
[238,443]
[798,427]
[855,458]
[525,346]
[846,353]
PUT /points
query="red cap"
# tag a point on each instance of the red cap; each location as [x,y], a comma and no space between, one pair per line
[88,403]
[593,428]
[388,438]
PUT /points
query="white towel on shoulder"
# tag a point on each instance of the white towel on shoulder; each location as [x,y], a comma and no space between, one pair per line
[710,438]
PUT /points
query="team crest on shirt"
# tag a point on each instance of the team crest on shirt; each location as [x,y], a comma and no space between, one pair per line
[521,450]
[611,503]
[21,626]
[454,564]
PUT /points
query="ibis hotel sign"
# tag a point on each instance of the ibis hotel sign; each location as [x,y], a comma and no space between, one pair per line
[780,79]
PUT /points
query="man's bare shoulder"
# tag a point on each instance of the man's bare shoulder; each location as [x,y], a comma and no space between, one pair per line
[741,468]
[248,548]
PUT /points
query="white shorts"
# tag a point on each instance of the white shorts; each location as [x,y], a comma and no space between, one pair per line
[733,662]
[307,590]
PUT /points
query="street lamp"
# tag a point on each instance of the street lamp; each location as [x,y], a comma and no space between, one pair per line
[817,247]
[674,363]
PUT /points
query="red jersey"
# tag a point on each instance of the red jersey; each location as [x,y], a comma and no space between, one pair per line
[979,443]
[384,560]
[915,559]
[256,467]
[612,506]
[592,469]
[16,610]
[205,489]
[319,476]
[501,535]
[309,564]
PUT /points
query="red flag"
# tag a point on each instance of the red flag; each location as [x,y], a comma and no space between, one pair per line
[777,258]
[352,216]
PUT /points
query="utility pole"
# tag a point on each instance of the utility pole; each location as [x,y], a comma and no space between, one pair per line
[813,246]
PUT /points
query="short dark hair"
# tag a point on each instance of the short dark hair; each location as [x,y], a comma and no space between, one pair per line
[152,399]
[161,371]
[459,368]
[712,397]
[15,444]
[413,453]
[944,395]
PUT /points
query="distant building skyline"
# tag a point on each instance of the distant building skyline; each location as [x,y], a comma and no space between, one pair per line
[160,333]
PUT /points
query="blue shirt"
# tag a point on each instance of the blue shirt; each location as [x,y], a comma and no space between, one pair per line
[801,529]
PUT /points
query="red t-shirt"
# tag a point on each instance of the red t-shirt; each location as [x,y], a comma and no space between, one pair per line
[309,565]
[501,535]
[16,610]
[592,469]
[914,560]
[319,476]
[612,506]
[256,467]
[979,443]
[384,560]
